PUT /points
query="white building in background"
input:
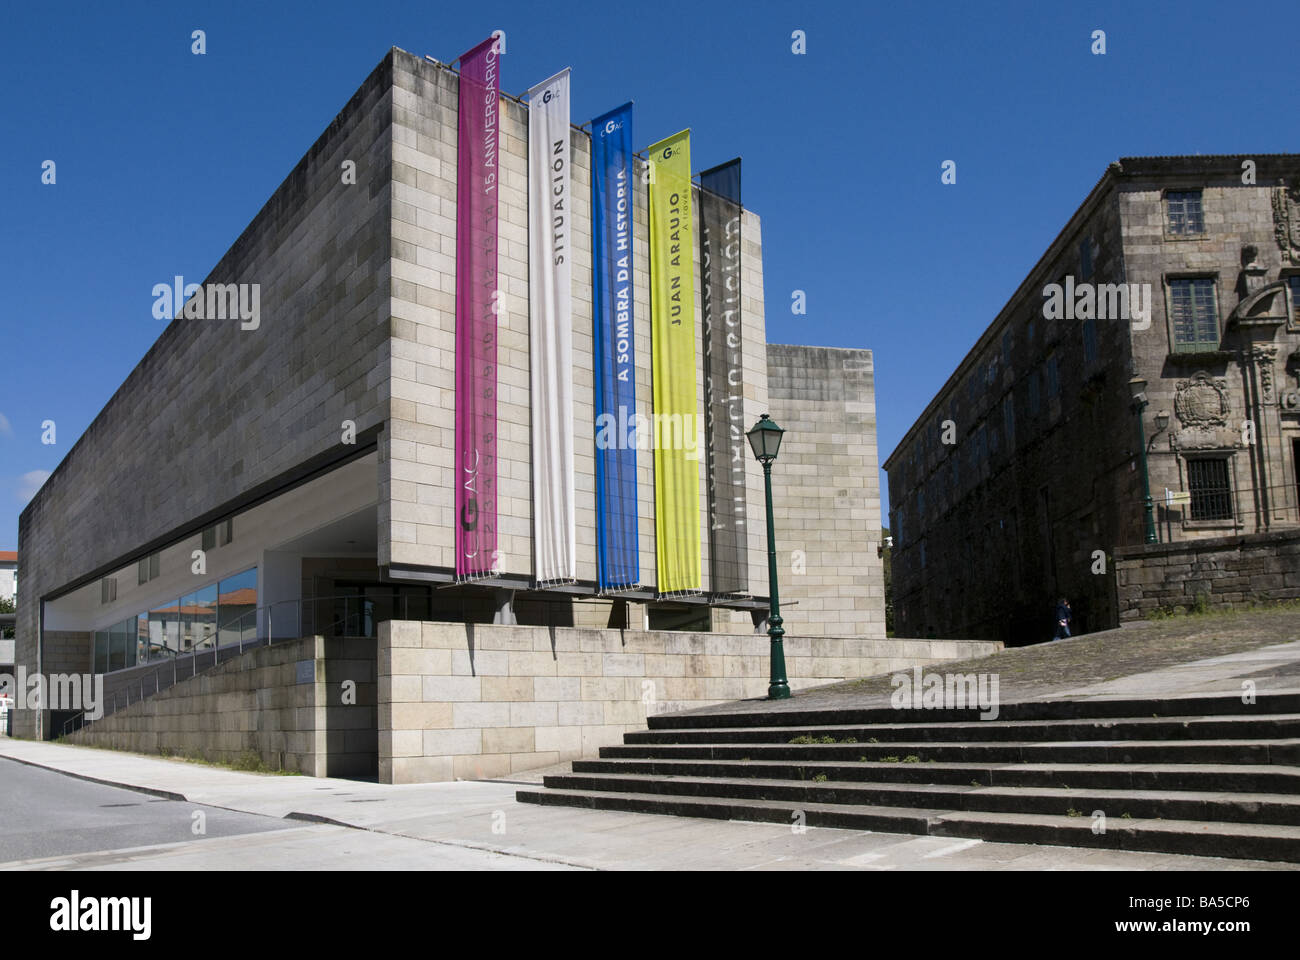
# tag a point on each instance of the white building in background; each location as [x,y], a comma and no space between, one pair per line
[8,575]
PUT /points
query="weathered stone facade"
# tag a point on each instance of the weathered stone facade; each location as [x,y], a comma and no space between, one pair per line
[1040,479]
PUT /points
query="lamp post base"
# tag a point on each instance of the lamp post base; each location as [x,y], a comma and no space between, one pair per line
[778,691]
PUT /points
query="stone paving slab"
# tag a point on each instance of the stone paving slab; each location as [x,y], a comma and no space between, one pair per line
[1183,656]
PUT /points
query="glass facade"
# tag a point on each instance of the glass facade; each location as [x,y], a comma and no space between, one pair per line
[219,613]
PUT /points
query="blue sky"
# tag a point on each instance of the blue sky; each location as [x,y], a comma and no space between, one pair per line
[163,157]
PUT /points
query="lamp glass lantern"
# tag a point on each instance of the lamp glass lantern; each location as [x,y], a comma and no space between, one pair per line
[765,439]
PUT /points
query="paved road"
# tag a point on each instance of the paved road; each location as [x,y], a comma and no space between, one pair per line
[48,814]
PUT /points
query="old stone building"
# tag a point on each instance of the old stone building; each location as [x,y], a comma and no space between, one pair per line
[1169,304]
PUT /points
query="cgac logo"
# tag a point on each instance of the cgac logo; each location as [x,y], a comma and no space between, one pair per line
[611,126]
[546,97]
[668,152]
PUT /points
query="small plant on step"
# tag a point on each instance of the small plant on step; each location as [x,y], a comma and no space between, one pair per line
[849,740]
[889,759]
[804,739]
[820,778]
[1073,813]
[911,758]
[826,740]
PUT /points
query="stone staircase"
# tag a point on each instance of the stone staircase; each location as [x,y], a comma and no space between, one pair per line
[1208,776]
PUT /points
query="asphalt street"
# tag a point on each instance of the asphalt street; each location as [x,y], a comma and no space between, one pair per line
[47,814]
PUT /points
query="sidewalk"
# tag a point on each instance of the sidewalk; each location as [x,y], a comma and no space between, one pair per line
[479,825]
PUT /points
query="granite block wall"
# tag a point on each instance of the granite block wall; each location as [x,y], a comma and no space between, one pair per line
[826,491]
[245,405]
[476,701]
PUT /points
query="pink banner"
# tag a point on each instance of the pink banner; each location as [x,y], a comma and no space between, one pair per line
[476,305]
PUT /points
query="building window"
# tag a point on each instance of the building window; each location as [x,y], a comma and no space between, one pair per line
[1294,283]
[1211,491]
[1034,401]
[1009,421]
[147,569]
[1090,341]
[1085,259]
[1185,214]
[1006,349]
[1053,377]
[1194,313]
[107,590]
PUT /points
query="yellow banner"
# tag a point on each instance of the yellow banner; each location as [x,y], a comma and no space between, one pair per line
[672,341]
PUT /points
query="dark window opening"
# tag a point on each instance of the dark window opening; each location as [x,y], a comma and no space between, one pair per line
[1210,488]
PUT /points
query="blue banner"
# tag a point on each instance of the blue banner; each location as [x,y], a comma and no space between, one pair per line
[616,419]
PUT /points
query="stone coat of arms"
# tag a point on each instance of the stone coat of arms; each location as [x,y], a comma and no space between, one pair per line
[1201,403]
[1286,221]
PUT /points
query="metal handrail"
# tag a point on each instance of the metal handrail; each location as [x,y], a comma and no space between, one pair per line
[216,647]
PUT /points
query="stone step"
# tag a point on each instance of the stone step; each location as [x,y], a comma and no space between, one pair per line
[1267,727]
[1194,706]
[1243,778]
[1279,809]
[1282,752]
[1199,838]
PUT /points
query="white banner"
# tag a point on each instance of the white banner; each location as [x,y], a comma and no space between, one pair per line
[550,258]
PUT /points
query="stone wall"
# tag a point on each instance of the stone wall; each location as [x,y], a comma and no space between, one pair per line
[825,492]
[1041,480]
[245,406]
[1228,571]
[472,701]
[284,703]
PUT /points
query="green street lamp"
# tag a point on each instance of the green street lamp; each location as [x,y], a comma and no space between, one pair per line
[1137,389]
[765,439]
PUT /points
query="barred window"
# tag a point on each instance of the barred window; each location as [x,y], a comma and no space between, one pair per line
[1195,314]
[1210,488]
[1294,283]
[1185,214]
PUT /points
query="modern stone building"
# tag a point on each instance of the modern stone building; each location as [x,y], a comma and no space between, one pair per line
[1022,480]
[315,500]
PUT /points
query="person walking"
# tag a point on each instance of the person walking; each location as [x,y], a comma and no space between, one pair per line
[1063,618]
